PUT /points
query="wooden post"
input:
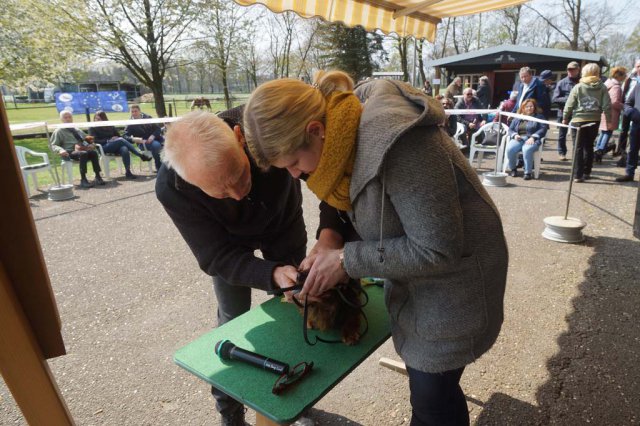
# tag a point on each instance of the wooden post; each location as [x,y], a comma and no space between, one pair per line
[29,319]
[263,421]
[23,367]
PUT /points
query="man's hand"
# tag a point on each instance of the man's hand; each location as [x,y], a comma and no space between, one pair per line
[325,274]
[64,154]
[284,276]
[472,125]
[517,137]
[530,141]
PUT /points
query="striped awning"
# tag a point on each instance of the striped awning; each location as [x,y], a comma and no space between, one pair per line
[417,18]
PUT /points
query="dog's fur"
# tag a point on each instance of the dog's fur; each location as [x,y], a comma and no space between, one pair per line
[333,313]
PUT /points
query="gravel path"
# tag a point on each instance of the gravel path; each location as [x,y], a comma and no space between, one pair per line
[130,293]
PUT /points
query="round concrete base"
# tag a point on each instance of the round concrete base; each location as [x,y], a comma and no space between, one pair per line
[60,192]
[494,179]
[562,230]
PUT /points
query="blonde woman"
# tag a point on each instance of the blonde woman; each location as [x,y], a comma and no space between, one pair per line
[427,224]
[588,100]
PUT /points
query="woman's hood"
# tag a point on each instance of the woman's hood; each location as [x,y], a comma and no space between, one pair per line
[390,109]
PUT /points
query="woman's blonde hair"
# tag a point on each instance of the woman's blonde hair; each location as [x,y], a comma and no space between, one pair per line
[277,113]
[618,72]
[590,70]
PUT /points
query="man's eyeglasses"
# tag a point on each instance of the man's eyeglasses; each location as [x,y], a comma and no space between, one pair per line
[294,375]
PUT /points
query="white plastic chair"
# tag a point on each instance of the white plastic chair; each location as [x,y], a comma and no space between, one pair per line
[143,148]
[32,169]
[537,160]
[480,150]
[105,160]
[459,132]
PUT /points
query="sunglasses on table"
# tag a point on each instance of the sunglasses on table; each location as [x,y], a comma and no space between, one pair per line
[295,374]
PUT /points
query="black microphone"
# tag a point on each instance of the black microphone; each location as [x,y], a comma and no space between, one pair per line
[227,350]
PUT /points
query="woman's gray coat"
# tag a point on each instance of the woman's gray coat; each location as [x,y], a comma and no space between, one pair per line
[441,246]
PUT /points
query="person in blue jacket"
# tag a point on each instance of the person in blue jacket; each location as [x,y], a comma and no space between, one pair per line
[526,136]
[532,88]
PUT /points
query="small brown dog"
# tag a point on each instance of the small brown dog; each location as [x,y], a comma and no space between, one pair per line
[339,308]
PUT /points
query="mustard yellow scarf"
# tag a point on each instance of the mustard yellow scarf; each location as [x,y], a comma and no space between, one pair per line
[331,179]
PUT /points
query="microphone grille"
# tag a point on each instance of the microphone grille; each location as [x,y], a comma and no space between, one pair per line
[223,349]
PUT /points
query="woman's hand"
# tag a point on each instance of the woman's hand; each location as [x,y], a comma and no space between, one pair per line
[517,137]
[325,274]
[530,141]
[327,240]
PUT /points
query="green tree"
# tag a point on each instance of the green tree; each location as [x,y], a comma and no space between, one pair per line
[37,47]
[353,50]
[142,35]
[226,26]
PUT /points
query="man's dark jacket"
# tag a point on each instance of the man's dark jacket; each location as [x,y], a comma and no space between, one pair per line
[143,130]
[223,233]
[536,90]
[561,92]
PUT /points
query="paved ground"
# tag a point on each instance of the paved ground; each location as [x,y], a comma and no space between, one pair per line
[130,293]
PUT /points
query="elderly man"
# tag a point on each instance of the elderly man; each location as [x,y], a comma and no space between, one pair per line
[151,134]
[472,122]
[226,207]
[534,88]
[560,95]
[75,144]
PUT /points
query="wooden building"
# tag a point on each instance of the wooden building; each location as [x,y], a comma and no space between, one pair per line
[502,63]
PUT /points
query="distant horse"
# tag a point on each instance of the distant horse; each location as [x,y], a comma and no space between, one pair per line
[200,103]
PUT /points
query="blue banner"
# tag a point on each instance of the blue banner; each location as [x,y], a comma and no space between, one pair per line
[78,102]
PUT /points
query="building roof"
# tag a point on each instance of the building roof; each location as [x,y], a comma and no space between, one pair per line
[511,53]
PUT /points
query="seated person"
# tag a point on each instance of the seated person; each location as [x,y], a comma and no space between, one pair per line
[472,122]
[450,124]
[151,134]
[506,105]
[75,144]
[526,136]
[112,143]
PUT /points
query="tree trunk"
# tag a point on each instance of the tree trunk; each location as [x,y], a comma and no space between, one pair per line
[225,87]
[421,60]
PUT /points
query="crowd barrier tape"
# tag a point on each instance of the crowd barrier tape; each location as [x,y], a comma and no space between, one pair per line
[85,125]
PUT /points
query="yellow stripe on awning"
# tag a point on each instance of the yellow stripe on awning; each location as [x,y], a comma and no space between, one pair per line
[379,14]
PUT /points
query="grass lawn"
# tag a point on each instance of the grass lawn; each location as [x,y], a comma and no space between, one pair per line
[27,113]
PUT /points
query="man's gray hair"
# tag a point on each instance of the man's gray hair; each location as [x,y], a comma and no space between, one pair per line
[527,70]
[198,134]
[65,112]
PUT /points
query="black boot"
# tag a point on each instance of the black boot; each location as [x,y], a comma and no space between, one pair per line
[130,175]
[597,156]
[99,180]
[235,418]
[622,161]
[84,183]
